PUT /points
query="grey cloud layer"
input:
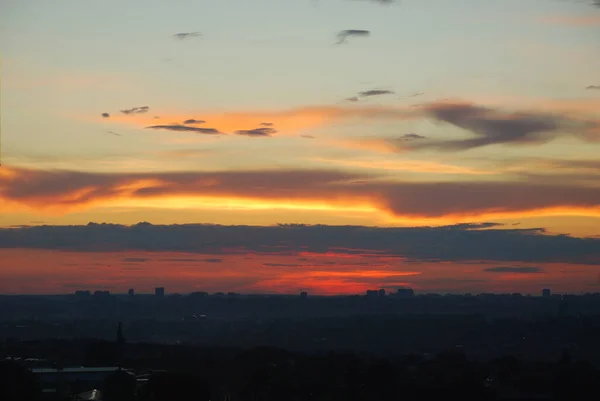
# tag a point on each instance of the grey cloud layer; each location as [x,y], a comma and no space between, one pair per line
[452,243]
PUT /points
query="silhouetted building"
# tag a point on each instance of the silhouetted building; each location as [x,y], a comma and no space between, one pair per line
[83,294]
[101,294]
[546,292]
[382,292]
[159,292]
[304,295]
[405,293]
[131,292]
[372,294]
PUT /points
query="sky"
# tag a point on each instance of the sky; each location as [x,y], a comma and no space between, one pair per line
[435,124]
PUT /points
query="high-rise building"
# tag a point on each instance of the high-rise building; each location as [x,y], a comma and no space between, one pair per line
[83,294]
[546,292]
[382,292]
[304,295]
[101,294]
[405,292]
[131,293]
[159,292]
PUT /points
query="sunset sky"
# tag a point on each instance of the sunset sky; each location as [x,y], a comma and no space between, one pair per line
[465,134]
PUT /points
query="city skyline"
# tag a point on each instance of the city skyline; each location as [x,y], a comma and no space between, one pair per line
[411,119]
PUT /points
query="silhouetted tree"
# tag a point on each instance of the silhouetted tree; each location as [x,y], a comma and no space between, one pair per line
[102,353]
[17,383]
[119,386]
[171,386]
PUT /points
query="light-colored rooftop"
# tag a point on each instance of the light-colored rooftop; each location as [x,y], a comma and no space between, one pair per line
[80,369]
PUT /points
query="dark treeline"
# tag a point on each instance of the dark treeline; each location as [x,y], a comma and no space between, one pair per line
[480,338]
[200,347]
[264,373]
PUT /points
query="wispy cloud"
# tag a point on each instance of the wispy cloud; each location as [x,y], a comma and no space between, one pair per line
[593,87]
[266,124]
[411,137]
[187,35]
[265,131]
[194,121]
[136,110]
[343,36]
[134,260]
[412,166]
[105,115]
[492,126]
[375,92]
[518,270]
[185,128]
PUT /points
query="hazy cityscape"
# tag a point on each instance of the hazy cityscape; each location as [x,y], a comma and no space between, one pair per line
[145,332]
[299,200]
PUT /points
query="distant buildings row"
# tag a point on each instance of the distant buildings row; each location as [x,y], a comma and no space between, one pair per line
[400,293]
[409,292]
[159,292]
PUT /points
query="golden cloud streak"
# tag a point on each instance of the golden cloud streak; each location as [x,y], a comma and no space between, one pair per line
[414,166]
[301,191]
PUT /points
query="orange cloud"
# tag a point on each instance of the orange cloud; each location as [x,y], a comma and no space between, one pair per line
[285,121]
[569,115]
[319,190]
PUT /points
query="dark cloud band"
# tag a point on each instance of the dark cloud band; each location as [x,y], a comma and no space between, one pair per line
[465,242]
